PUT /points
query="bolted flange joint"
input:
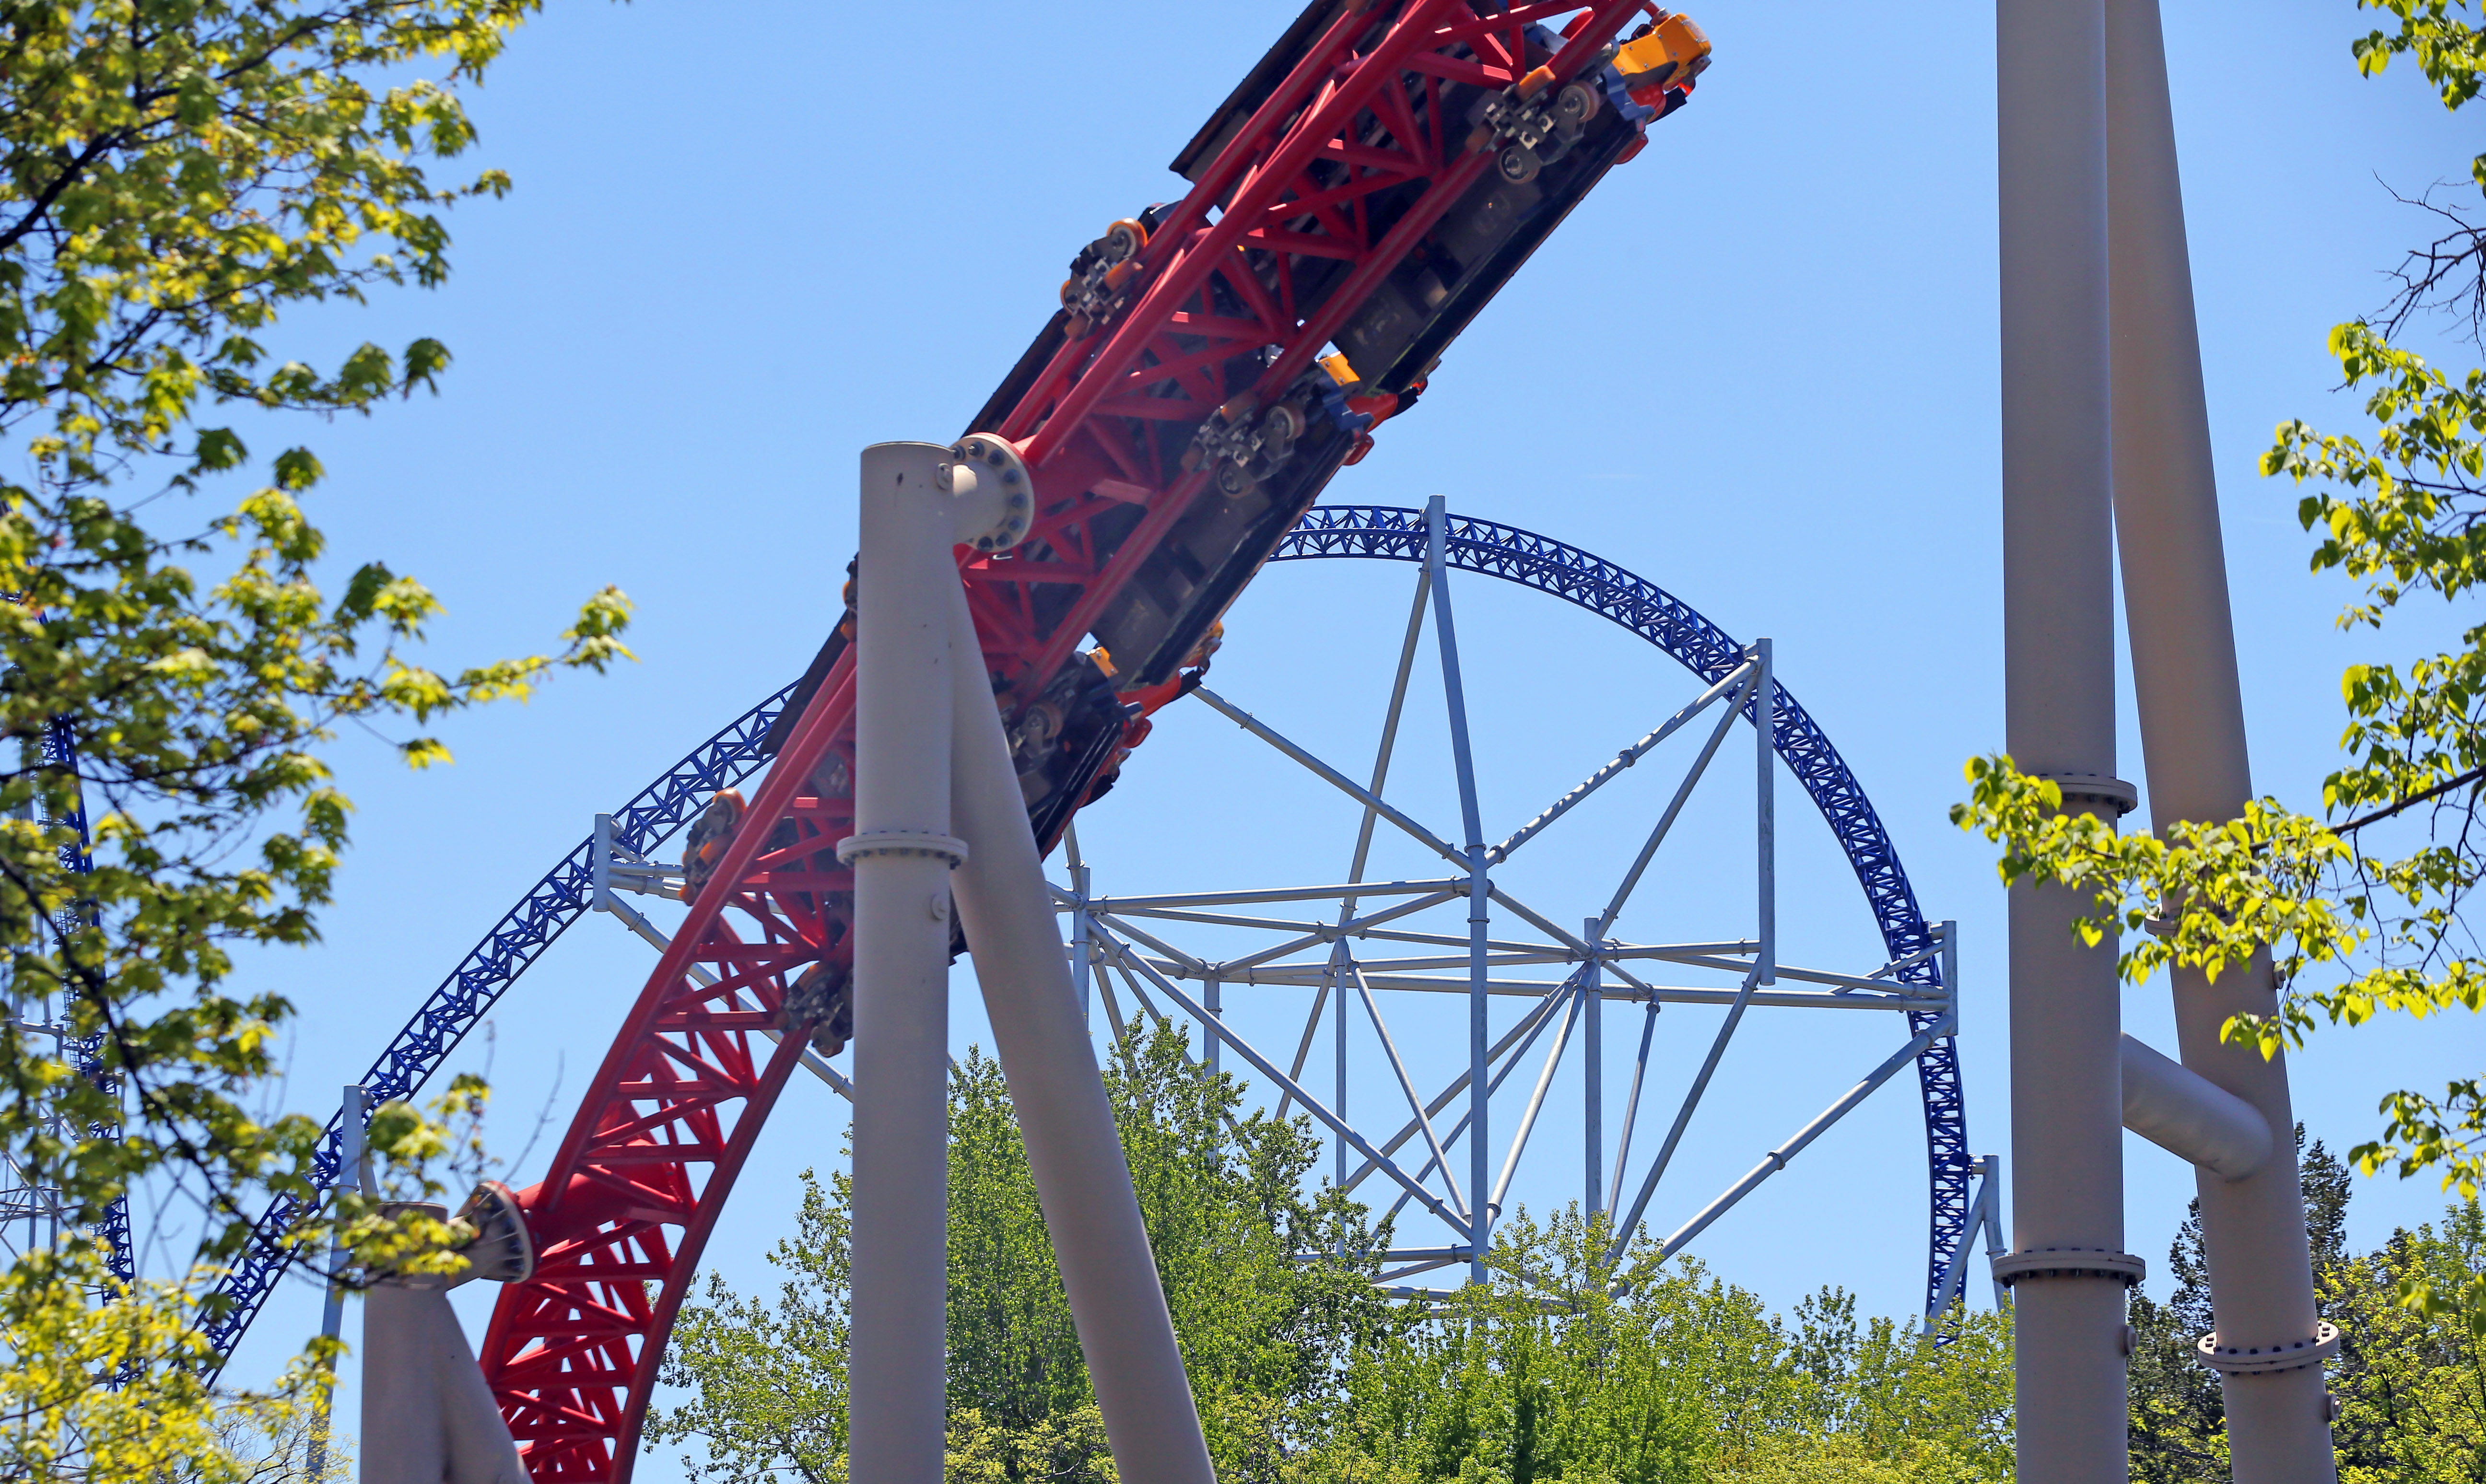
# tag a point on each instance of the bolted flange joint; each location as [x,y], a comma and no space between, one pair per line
[2040,1262]
[995,491]
[901,843]
[2094,790]
[2268,1360]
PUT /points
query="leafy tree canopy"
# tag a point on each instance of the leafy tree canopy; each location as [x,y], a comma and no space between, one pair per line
[175,177]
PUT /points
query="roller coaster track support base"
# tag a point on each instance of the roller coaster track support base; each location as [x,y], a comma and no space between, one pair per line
[929,756]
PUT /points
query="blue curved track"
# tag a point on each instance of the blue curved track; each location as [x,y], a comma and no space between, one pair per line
[1351,531]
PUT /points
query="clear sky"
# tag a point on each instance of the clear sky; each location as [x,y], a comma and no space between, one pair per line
[1757,368]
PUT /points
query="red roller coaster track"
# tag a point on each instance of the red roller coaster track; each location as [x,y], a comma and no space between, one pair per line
[1339,174]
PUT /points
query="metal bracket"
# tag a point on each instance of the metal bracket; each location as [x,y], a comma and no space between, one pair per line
[2011,1268]
[503,1249]
[2254,1361]
[994,488]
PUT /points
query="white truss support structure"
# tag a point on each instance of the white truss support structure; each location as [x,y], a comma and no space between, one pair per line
[1268,1069]
[1984,1217]
[1776,1159]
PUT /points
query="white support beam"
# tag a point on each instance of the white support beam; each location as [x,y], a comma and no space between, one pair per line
[2189,1117]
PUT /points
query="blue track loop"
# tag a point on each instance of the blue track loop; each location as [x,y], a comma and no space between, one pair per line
[1377,531]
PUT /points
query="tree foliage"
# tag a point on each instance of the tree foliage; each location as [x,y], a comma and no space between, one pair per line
[1306,1373]
[2407,1380]
[174,654]
[1265,1338]
[1545,1373]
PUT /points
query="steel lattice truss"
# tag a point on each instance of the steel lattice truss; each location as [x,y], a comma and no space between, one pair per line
[1701,647]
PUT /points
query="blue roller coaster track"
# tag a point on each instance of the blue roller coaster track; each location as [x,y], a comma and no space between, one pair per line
[86,1054]
[1349,531]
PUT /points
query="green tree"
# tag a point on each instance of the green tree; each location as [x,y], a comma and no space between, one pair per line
[1545,1373]
[2362,908]
[174,176]
[2411,1407]
[1266,1338]
[2179,1419]
[2405,1379]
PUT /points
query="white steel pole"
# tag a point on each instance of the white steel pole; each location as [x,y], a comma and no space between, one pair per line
[2192,734]
[1479,890]
[901,853]
[1081,1179]
[1592,1069]
[332,1313]
[1765,814]
[2066,1114]
[429,1416]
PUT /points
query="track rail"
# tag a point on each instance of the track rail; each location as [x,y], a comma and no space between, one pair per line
[460,1005]
[1333,180]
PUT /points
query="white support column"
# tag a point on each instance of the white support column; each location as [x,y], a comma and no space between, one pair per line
[1765,814]
[1081,1178]
[2058,647]
[902,853]
[1593,1071]
[429,1416]
[1479,888]
[332,1312]
[2192,727]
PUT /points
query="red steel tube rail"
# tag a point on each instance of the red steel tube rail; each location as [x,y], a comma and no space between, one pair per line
[669,1115]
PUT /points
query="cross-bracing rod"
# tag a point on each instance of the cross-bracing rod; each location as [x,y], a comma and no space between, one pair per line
[1763,691]
[1311,976]
[1122,954]
[1733,680]
[1446,640]
[1407,1086]
[1776,1159]
[1574,999]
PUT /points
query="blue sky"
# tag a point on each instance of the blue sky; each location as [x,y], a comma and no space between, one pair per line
[1757,368]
